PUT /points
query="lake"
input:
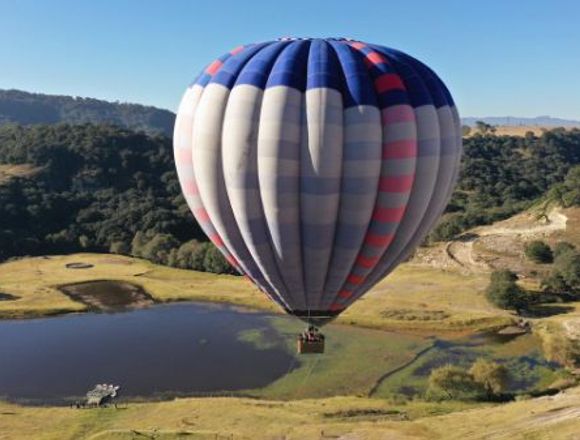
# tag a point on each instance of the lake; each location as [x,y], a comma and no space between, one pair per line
[182,348]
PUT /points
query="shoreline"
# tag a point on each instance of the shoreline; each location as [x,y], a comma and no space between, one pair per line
[168,285]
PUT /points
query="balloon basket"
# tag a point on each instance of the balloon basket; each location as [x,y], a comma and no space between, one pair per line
[309,342]
[309,347]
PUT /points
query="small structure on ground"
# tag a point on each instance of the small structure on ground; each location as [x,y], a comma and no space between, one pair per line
[102,394]
[522,327]
[78,265]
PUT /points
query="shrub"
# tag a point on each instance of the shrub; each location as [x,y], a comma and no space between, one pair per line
[215,262]
[565,276]
[538,252]
[503,291]
[120,247]
[452,383]
[492,376]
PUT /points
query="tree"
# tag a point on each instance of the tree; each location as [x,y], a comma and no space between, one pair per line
[503,291]
[538,252]
[215,262]
[465,130]
[157,249]
[567,265]
[492,376]
[191,255]
[120,247]
[452,383]
[484,127]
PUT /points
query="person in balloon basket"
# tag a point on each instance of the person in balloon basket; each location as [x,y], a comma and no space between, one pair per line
[312,334]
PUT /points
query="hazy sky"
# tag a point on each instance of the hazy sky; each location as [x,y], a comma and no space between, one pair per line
[498,57]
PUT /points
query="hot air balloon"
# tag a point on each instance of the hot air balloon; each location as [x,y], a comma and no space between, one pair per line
[316,166]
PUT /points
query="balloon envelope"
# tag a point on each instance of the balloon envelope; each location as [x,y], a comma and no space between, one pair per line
[317,165]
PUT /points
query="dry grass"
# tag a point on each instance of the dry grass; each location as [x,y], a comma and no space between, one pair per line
[35,281]
[516,130]
[443,301]
[547,418]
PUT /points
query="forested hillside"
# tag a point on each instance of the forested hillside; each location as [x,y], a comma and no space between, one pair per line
[99,188]
[503,175]
[34,108]
[108,189]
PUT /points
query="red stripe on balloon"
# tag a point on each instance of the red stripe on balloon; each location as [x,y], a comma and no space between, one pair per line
[201,215]
[397,113]
[190,188]
[355,279]
[374,58]
[366,262]
[183,155]
[396,184]
[357,45]
[216,239]
[388,81]
[389,215]
[237,50]
[336,307]
[376,245]
[378,240]
[214,67]
[345,294]
[403,149]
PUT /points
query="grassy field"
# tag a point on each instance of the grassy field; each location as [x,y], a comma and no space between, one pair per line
[353,362]
[548,418]
[412,298]
[523,357]
[416,301]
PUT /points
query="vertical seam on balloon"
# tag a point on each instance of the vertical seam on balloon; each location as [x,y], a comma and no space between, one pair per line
[381,84]
[191,188]
[265,227]
[306,45]
[340,201]
[244,249]
[314,298]
[344,90]
[216,238]
[431,81]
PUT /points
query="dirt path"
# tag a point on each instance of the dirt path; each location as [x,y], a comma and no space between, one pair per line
[572,328]
[461,251]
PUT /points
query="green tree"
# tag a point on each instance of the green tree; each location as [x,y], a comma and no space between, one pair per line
[120,247]
[215,262]
[484,127]
[452,383]
[191,255]
[492,376]
[567,265]
[538,252]
[503,291]
[158,248]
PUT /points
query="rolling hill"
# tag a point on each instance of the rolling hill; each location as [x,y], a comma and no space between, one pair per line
[19,107]
[516,121]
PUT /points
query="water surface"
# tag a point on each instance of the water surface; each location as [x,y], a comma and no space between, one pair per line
[184,348]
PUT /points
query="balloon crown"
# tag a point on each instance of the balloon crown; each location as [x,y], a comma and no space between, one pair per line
[311,38]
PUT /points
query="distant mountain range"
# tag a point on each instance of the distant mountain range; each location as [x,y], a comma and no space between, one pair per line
[26,108]
[19,107]
[540,121]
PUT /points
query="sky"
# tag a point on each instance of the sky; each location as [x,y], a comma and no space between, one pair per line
[498,57]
